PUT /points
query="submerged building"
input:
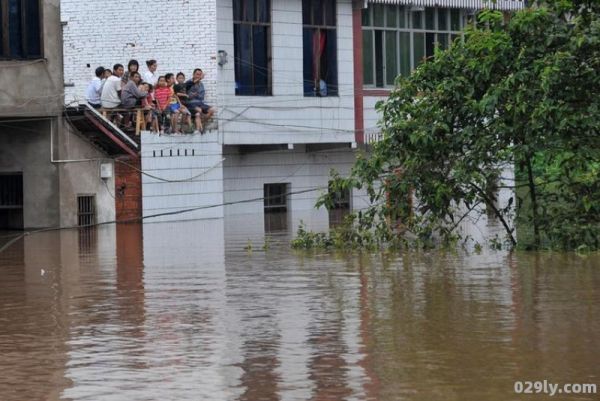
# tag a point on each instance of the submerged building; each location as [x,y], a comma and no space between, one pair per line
[51,174]
[295,83]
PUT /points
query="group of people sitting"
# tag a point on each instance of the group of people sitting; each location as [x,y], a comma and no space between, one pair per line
[169,102]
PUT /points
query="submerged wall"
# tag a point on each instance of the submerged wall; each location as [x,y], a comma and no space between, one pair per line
[181,173]
[25,148]
[246,173]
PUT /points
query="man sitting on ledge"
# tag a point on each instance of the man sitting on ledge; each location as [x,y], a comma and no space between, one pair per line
[131,95]
[110,97]
[195,101]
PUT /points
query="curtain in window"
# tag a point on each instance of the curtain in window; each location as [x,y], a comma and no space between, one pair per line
[319,42]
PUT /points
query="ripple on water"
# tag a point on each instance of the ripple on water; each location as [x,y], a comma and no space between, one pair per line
[187,311]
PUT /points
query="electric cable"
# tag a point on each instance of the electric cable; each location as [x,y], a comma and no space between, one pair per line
[142,218]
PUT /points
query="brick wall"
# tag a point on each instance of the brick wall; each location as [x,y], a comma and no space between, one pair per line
[179,34]
[128,188]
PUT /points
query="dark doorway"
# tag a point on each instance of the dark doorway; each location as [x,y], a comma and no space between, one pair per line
[11,201]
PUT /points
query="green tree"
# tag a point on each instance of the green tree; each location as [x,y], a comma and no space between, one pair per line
[521,91]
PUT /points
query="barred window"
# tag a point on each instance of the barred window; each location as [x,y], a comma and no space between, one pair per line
[86,210]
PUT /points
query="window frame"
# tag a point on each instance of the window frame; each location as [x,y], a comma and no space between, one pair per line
[86,217]
[268,55]
[340,199]
[319,28]
[5,32]
[272,194]
[407,13]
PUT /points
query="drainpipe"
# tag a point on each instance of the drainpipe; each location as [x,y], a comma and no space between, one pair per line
[66,160]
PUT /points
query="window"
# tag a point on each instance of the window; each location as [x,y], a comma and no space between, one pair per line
[86,210]
[252,46]
[20,32]
[275,197]
[341,199]
[340,207]
[396,39]
[11,201]
[276,221]
[320,47]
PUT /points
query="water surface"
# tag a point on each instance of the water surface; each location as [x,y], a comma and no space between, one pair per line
[200,311]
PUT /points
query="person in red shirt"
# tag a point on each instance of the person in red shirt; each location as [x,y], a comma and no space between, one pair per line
[164,95]
[149,104]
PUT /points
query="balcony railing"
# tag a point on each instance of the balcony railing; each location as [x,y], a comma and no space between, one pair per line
[468,4]
[373,135]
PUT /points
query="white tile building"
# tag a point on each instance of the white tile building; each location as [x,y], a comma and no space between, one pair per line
[272,130]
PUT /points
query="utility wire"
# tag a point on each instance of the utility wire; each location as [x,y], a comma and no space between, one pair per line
[240,118]
[141,218]
[171,181]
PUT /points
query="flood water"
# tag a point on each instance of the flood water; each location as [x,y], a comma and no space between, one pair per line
[200,311]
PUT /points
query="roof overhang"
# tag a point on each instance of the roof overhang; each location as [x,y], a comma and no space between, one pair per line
[468,4]
[100,131]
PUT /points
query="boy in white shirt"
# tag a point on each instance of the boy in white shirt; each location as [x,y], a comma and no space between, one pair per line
[94,89]
[111,97]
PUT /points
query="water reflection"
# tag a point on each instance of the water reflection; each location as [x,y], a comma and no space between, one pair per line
[276,221]
[336,216]
[34,316]
[108,314]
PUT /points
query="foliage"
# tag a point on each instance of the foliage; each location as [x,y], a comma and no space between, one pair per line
[521,92]
[347,235]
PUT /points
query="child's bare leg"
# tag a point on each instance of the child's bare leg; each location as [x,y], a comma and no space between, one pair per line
[211,112]
[198,119]
[174,117]
[155,126]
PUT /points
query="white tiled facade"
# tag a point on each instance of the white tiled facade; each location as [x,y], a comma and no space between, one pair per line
[371,117]
[244,177]
[287,116]
[261,139]
[182,173]
[184,34]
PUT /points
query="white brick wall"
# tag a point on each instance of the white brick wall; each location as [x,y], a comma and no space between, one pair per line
[179,34]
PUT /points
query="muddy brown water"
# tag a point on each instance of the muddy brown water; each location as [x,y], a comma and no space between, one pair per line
[205,311]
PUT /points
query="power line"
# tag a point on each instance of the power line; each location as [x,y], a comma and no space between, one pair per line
[141,218]
[172,181]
